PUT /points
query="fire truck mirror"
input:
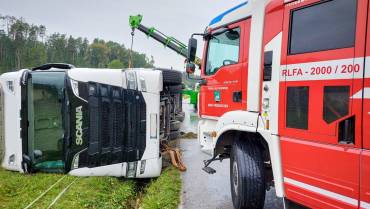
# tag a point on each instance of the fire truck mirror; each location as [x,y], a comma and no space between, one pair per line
[267,67]
[192,49]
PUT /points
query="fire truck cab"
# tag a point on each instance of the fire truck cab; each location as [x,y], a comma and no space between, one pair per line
[286,96]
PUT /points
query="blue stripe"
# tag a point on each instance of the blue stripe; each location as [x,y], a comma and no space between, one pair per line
[219,18]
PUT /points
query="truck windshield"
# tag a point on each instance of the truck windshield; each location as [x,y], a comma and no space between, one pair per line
[45,130]
[223,49]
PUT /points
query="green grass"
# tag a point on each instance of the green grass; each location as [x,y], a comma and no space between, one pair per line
[163,192]
[18,190]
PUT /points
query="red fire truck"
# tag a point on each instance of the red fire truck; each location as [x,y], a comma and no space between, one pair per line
[285,94]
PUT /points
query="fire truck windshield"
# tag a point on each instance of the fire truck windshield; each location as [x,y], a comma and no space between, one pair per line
[45,130]
[223,49]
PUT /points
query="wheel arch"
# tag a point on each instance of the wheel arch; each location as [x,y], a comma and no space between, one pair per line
[271,152]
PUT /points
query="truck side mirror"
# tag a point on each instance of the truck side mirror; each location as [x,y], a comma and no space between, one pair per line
[190,68]
[192,49]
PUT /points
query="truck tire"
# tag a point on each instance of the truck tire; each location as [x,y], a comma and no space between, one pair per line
[175,89]
[247,175]
[171,77]
[173,135]
[180,116]
[175,125]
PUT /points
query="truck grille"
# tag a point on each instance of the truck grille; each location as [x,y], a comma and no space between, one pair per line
[117,125]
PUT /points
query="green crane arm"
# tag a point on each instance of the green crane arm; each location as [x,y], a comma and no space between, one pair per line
[168,41]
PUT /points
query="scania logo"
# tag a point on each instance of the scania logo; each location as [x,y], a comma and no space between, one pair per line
[79,132]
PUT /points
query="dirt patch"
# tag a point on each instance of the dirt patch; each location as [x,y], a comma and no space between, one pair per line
[188,135]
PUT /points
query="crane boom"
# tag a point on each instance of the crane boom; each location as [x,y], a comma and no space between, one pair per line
[167,41]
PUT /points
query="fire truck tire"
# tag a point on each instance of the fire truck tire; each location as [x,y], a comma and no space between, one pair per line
[247,175]
[171,77]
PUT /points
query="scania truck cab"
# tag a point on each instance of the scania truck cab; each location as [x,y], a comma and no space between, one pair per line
[285,95]
[87,122]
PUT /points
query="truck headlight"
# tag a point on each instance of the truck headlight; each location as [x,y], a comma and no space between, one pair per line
[74,85]
[153,125]
[142,166]
[131,169]
[75,161]
[142,84]
[131,80]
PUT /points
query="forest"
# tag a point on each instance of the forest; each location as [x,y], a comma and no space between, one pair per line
[24,45]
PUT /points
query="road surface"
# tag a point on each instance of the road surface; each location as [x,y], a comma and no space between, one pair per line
[204,191]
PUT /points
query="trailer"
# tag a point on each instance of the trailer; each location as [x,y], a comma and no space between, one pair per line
[88,122]
[286,96]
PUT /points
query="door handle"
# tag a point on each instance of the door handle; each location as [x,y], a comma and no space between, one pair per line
[237,96]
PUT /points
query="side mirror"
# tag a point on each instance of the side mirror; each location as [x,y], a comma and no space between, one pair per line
[192,49]
[190,68]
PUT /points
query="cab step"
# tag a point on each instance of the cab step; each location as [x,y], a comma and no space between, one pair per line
[209,170]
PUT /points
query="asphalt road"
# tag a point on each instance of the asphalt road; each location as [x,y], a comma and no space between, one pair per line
[205,191]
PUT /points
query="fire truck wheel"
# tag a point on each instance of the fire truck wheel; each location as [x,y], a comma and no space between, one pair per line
[247,175]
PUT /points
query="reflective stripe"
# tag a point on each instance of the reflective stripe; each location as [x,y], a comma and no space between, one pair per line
[358,95]
[323,70]
[324,192]
[365,205]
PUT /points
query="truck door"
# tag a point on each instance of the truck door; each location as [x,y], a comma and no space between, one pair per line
[320,121]
[225,70]
[365,157]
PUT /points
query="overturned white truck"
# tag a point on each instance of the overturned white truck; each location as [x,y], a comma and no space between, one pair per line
[88,122]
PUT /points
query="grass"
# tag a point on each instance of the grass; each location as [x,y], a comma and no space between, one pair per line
[163,192]
[18,190]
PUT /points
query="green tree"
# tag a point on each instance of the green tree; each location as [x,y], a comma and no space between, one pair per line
[116,64]
[24,45]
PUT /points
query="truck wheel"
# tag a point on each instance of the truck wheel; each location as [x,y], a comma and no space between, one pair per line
[180,116]
[247,175]
[175,125]
[171,77]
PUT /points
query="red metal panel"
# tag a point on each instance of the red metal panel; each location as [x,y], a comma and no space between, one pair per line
[312,199]
[227,80]
[314,156]
[329,167]
[365,176]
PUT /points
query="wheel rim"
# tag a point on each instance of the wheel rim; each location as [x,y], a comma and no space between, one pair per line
[235,177]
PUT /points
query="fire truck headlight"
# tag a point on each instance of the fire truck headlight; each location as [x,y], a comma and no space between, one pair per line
[131,169]
[153,125]
[266,103]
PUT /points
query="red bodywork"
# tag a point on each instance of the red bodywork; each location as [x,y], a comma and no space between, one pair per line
[314,156]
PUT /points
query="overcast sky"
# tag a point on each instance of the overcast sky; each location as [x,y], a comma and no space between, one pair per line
[108,20]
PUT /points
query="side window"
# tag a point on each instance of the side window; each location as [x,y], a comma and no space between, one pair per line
[336,102]
[223,49]
[324,26]
[297,107]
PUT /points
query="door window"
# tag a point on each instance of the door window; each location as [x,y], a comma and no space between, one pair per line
[297,107]
[223,50]
[325,26]
[336,102]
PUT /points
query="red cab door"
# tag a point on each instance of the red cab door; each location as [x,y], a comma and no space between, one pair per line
[365,157]
[320,121]
[225,70]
